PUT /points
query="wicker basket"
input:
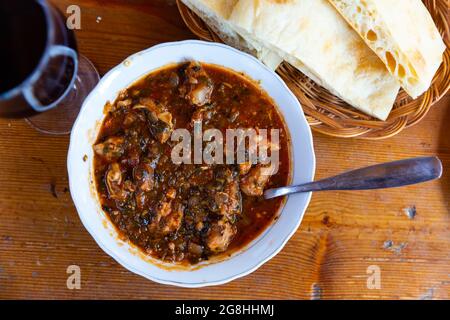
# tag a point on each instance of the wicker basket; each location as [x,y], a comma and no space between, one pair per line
[328,114]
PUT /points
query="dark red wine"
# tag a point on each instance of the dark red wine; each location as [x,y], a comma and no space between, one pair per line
[23,37]
[33,76]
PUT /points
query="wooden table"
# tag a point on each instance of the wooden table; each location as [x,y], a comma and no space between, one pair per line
[341,236]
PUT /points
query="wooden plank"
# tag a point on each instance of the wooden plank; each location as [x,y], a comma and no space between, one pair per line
[342,234]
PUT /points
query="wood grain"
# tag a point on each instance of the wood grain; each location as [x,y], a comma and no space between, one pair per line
[342,234]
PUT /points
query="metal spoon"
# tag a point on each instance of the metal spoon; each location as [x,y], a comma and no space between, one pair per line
[385,175]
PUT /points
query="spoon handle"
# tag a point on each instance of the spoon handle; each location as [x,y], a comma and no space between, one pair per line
[385,175]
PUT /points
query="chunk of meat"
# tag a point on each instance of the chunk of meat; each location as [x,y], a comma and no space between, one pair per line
[166,117]
[124,103]
[123,94]
[141,198]
[254,182]
[129,186]
[161,131]
[172,222]
[174,80]
[171,193]
[143,175]
[129,119]
[113,180]
[200,94]
[132,157]
[197,116]
[163,210]
[161,126]
[229,200]
[194,72]
[220,236]
[198,86]
[111,149]
[195,249]
[205,113]
[150,106]
[244,168]
[169,215]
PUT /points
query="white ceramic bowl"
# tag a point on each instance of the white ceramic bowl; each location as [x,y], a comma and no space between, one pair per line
[84,132]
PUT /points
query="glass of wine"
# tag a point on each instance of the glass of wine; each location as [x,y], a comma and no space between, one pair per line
[43,77]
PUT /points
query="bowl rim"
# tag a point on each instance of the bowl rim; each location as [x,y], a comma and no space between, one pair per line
[267,257]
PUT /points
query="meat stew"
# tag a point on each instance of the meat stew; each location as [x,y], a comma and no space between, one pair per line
[186,213]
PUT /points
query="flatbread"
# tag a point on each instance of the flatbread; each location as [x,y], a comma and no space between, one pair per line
[215,14]
[403,35]
[315,38]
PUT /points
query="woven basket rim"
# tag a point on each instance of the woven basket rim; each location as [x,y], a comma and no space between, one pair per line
[331,116]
